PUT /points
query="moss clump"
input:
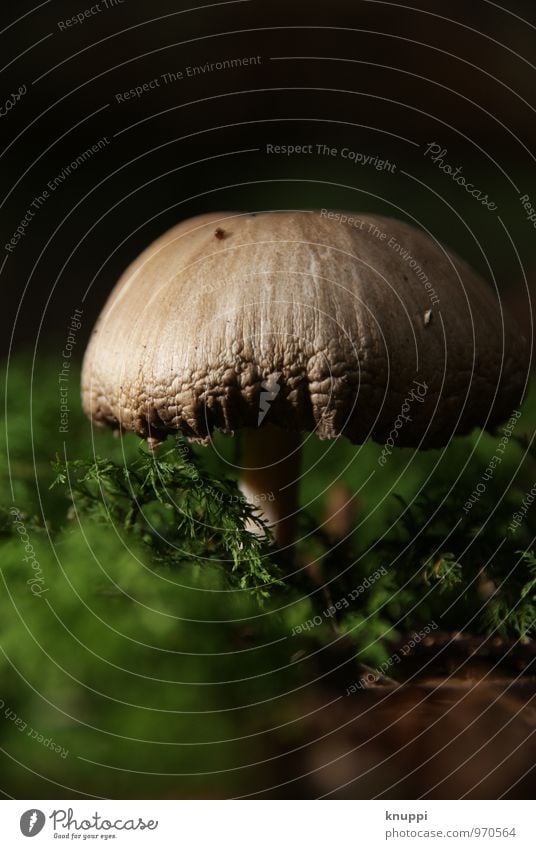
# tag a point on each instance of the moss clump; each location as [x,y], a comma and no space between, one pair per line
[147,633]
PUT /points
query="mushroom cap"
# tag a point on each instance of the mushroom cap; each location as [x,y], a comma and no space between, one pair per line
[305,321]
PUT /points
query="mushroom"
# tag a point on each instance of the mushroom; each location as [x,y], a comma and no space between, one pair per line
[276,324]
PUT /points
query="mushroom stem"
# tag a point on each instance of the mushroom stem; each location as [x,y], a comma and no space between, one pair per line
[269,480]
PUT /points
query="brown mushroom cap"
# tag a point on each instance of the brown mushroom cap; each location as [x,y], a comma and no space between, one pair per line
[337,320]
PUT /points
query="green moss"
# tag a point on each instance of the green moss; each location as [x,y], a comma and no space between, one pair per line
[149,631]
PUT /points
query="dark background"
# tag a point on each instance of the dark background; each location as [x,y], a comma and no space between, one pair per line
[387,80]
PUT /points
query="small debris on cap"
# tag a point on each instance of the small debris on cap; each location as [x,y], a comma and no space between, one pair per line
[219,233]
[427,317]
